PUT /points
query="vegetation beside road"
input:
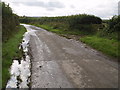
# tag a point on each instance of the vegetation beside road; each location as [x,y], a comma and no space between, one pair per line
[10,51]
[9,22]
[106,39]
[99,34]
[107,46]
[12,33]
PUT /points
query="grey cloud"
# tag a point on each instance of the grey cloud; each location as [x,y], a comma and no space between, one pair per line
[107,11]
[55,4]
[50,9]
[33,3]
[72,6]
[51,5]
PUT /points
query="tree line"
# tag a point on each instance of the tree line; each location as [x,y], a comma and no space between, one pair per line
[80,22]
[9,22]
[72,21]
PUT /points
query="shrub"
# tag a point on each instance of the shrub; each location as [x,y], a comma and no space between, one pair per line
[114,24]
[9,22]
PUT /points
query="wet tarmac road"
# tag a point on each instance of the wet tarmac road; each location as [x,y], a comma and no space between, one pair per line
[58,62]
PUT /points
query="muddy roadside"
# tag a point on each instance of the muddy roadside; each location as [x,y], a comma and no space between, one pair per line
[20,69]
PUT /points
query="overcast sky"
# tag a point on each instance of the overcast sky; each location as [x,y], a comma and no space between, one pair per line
[102,8]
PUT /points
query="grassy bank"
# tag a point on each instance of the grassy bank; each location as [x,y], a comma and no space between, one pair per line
[11,51]
[105,45]
[108,47]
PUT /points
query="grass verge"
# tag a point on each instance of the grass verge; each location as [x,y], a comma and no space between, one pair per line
[107,46]
[11,51]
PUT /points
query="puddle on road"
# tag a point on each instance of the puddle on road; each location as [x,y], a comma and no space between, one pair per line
[20,69]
